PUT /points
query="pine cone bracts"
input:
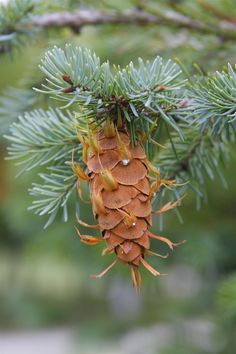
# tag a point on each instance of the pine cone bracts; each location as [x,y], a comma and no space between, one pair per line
[121,193]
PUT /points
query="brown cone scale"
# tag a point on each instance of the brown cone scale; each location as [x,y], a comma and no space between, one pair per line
[127,238]
[120,192]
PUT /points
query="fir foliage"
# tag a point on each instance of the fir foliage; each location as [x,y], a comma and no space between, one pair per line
[214,101]
[142,94]
[14,103]
[43,137]
[193,120]
[20,19]
[13,24]
[53,193]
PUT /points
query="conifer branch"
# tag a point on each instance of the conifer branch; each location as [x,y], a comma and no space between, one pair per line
[75,75]
[14,21]
[53,194]
[170,18]
[149,97]
[198,155]
[214,101]
[18,20]
[14,103]
[40,138]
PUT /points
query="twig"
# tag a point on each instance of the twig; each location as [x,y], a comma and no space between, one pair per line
[184,164]
[81,18]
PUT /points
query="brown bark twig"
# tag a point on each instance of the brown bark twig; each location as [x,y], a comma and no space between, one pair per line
[81,18]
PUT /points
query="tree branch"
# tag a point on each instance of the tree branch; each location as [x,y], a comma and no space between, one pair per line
[93,17]
[184,164]
[174,19]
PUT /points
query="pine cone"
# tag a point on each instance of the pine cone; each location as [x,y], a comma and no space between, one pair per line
[121,193]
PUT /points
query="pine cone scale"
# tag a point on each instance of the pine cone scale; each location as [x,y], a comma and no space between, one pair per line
[124,223]
[121,193]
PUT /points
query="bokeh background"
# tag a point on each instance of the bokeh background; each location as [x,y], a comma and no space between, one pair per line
[48,303]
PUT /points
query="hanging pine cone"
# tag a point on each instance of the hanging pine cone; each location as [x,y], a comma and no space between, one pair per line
[121,194]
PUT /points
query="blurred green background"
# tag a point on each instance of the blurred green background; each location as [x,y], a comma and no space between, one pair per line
[48,303]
